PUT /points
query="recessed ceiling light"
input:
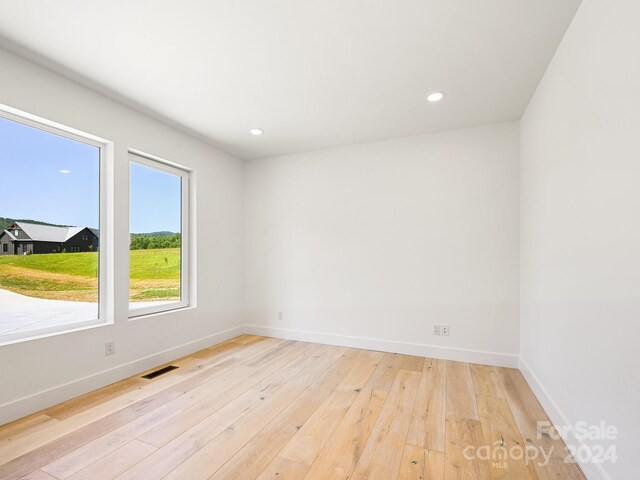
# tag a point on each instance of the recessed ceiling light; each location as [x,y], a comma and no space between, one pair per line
[256,131]
[65,171]
[435,97]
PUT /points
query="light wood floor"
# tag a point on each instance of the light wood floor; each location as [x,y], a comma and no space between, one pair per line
[263,408]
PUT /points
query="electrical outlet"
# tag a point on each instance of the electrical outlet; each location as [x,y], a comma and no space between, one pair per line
[444,329]
[280,315]
[110,348]
[436,329]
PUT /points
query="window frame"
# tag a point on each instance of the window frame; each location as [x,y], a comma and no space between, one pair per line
[105,224]
[186,254]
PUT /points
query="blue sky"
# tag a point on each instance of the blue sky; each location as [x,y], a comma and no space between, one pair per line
[155,200]
[31,161]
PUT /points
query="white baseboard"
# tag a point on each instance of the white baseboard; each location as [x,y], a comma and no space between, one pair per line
[423,350]
[593,471]
[38,401]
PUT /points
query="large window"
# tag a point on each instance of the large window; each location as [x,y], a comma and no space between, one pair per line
[159,236]
[52,216]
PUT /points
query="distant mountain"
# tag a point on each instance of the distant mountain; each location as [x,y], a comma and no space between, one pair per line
[7,222]
[163,233]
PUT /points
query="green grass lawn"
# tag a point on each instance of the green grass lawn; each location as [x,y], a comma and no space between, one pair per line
[155,275]
[162,263]
[81,264]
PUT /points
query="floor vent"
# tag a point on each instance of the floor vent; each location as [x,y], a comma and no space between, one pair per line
[157,373]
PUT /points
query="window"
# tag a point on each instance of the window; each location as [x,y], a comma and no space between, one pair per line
[159,236]
[85,237]
[44,293]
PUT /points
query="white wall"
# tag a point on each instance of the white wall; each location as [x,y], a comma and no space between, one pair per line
[580,256]
[50,363]
[385,239]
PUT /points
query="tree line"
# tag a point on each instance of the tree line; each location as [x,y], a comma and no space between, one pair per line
[145,241]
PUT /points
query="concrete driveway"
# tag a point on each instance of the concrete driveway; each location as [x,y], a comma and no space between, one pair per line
[19,313]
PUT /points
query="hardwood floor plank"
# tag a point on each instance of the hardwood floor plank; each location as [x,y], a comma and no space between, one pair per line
[383,452]
[284,469]
[413,464]
[313,354]
[38,475]
[310,374]
[412,363]
[247,338]
[231,426]
[194,453]
[461,399]
[385,374]
[428,422]
[92,399]
[230,348]
[252,458]
[421,464]
[461,463]
[227,353]
[91,424]
[255,456]
[201,398]
[95,451]
[359,376]
[233,352]
[271,376]
[33,451]
[116,462]
[255,407]
[109,409]
[463,431]
[267,355]
[434,466]
[24,426]
[306,444]
[275,373]
[343,450]
[527,412]
[501,435]
[183,437]
[485,381]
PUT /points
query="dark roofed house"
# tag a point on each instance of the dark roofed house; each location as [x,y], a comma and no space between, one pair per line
[24,238]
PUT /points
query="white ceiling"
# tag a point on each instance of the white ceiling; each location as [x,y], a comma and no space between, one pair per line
[311,73]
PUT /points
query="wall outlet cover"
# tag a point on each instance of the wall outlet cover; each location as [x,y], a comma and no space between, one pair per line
[110,348]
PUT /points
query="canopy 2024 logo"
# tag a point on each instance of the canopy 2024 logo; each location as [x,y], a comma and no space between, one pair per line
[587,451]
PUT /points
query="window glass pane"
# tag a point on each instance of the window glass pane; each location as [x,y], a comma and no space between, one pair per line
[49,220]
[155,252]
